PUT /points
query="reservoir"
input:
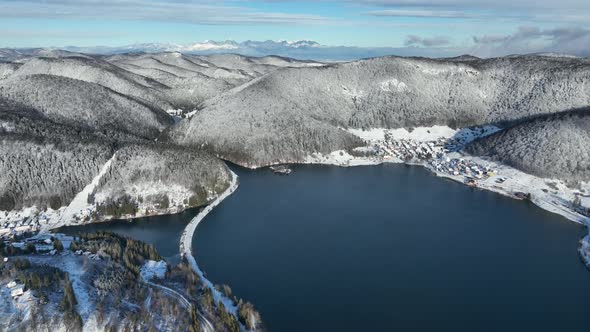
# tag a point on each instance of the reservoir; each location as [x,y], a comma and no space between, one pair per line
[384,248]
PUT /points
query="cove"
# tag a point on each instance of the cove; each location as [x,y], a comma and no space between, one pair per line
[161,231]
[383,248]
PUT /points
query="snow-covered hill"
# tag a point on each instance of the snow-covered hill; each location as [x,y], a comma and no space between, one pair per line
[555,146]
[290,113]
[83,104]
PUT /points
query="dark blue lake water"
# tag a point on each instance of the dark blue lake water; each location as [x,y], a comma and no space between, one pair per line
[385,248]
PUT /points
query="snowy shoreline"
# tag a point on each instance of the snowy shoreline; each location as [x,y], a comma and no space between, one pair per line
[585,250]
[554,199]
[505,189]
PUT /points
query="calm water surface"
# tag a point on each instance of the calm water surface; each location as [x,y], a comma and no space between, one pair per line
[386,248]
[161,231]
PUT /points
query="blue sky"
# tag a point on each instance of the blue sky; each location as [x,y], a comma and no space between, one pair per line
[457,24]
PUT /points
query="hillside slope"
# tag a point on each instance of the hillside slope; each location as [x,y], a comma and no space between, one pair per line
[99,72]
[45,164]
[555,146]
[194,79]
[292,112]
[149,174]
[83,104]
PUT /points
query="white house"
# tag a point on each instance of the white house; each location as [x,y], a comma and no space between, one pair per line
[17,291]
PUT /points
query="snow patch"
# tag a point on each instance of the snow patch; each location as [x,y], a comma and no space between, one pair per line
[152,269]
[80,202]
[393,85]
[420,134]
[353,93]
[448,70]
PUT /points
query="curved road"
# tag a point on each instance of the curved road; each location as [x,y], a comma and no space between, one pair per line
[206,324]
[186,245]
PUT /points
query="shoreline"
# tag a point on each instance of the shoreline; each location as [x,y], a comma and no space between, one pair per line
[501,189]
[584,251]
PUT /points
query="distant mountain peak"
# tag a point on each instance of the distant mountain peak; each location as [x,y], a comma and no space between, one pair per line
[206,46]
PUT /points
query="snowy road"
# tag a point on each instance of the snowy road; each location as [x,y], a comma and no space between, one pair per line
[205,323]
[186,245]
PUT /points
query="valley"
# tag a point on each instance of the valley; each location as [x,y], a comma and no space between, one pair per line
[89,138]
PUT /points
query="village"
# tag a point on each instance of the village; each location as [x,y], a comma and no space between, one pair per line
[439,155]
[16,226]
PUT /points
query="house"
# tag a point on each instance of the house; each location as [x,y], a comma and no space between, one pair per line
[17,291]
[25,228]
[521,195]
[43,247]
[11,284]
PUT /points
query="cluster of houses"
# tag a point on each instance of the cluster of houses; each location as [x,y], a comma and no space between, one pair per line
[408,150]
[43,243]
[19,225]
[435,154]
[472,171]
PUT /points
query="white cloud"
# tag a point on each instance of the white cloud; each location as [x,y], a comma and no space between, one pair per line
[413,40]
[540,11]
[568,40]
[421,13]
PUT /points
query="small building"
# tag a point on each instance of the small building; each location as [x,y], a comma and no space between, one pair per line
[17,291]
[22,228]
[11,284]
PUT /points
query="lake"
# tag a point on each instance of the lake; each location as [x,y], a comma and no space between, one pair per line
[385,248]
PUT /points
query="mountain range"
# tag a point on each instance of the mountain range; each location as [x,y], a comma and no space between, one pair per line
[65,113]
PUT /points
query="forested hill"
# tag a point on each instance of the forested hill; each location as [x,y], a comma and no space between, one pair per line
[290,113]
[64,115]
[554,146]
